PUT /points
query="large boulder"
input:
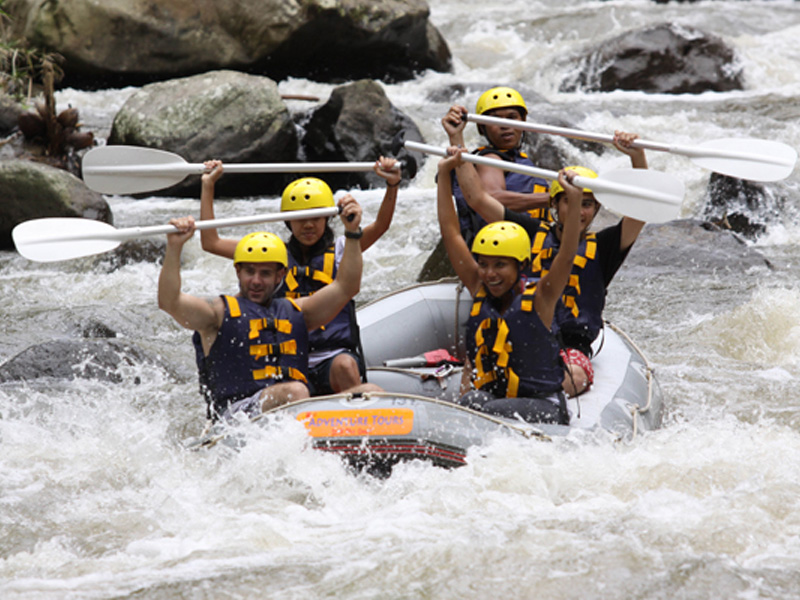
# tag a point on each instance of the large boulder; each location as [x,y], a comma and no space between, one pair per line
[226,115]
[357,123]
[101,359]
[131,42]
[745,207]
[664,59]
[702,246]
[33,190]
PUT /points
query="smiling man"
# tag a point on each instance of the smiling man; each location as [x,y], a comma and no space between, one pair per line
[252,348]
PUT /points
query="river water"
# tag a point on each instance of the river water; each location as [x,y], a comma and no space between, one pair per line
[98,498]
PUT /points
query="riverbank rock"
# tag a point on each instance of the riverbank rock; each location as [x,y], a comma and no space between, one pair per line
[114,44]
[102,359]
[745,207]
[357,123]
[32,190]
[699,245]
[665,59]
[226,115]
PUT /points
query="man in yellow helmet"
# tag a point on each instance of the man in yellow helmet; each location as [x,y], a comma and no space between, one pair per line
[252,347]
[524,193]
[335,361]
[579,317]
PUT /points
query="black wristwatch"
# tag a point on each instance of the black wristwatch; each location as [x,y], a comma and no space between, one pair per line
[354,235]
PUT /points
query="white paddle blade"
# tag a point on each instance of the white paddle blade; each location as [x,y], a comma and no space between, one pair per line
[642,194]
[57,239]
[133,169]
[753,159]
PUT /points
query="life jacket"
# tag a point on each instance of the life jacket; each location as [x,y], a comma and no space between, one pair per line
[469,221]
[579,315]
[304,280]
[513,354]
[255,346]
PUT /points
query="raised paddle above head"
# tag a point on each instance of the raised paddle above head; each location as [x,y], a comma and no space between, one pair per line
[744,158]
[642,194]
[65,238]
[136,170]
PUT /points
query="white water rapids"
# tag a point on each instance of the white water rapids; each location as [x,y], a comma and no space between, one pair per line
[98,498]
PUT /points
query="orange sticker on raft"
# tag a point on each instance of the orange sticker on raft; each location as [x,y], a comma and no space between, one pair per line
[345,423]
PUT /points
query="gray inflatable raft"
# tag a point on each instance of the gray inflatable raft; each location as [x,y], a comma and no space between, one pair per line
[416,418]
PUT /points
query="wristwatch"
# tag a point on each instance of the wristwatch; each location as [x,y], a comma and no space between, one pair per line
[354,235]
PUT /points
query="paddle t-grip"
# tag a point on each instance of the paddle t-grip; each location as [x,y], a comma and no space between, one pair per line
[349,217]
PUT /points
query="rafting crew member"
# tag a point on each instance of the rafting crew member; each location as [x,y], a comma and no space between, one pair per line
[336,361]
[517,191]
[517,369]
[579,317]
[252,348]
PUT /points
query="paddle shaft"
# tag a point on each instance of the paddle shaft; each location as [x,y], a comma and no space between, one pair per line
[689,151]
[184,169]
[136,232]
[596,185]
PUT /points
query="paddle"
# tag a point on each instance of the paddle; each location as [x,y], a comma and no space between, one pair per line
[743,158]
[134,169]
[64,238]
[642,194]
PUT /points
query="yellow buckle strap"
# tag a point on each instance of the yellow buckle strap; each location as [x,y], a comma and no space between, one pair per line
[279,325]
[273,372]
[260,350]
[512,389]
[501,347]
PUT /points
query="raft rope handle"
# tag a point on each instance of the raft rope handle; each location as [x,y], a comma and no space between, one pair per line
[635,409]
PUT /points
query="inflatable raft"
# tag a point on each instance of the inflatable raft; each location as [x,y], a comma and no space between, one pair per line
[415,418]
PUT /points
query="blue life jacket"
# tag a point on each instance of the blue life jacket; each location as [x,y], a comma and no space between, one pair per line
[579,315]
[304,280]
[513,354]
[255,347]
[469,221]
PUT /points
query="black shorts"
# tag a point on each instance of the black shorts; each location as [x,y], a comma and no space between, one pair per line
[319,377]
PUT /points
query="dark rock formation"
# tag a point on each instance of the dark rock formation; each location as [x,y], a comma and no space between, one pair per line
[101,359]
[117,44]
[358,123]
[32,190]
[664,59]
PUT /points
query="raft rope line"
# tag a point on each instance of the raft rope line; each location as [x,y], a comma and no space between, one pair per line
[636,409]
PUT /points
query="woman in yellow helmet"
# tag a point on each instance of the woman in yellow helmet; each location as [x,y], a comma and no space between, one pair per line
[335,361]
[579,318]
[516,191]
[517,369]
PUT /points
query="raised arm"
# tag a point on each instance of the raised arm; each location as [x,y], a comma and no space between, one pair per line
[209,238]
[324,305]
[494,184]
[373,231]
[630,227]
[551,286]
[189,311]
[457,250]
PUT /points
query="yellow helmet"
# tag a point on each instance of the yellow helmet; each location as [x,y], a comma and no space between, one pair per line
[503,238]
[307,192]
[260,247]
[500,97]
[556,188]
